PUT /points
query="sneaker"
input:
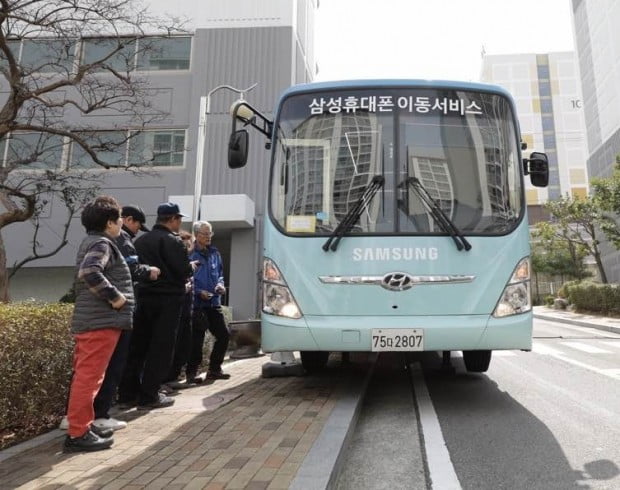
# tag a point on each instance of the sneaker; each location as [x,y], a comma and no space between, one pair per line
[111,424]
[191,377]
[167,390]
[103,433]
[161,402]
[126,404]
[177,385]
[88,442]
[217,375]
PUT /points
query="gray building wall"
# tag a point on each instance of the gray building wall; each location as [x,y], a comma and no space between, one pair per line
[598,46]
[272,56]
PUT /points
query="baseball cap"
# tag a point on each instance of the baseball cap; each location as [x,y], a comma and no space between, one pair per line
[136,213]
[169,209]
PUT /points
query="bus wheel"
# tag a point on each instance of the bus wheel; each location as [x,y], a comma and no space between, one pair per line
[477,361]
[313,360]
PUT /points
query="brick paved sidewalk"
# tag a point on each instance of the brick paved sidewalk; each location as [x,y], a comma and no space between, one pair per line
[246,432]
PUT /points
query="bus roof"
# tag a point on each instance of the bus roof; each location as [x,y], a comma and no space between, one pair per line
[394,83]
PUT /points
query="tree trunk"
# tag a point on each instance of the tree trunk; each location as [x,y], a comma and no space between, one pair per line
[4,276]
[599,265]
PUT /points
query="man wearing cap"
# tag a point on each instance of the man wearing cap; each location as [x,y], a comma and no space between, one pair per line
[158,311]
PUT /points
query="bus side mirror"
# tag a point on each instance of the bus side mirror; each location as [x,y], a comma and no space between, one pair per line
[538,168]
[238,149]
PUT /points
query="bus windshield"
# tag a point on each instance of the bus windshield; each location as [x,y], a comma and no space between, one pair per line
[460,146]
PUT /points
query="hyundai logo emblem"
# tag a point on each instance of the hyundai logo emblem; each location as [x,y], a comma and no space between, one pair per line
[397,281]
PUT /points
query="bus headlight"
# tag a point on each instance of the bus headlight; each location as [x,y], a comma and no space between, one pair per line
[516,297]
[277,297]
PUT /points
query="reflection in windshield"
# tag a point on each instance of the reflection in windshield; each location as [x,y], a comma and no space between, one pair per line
[466,160]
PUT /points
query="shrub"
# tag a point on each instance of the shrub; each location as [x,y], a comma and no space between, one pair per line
[549,300]
[35,367]
[563,291]
[603,299]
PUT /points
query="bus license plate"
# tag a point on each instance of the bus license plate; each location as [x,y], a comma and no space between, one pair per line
[397,339]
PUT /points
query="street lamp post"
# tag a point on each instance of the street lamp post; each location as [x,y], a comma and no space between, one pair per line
[205,110]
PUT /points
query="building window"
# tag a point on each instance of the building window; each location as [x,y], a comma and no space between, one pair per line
[152,53]
[546,106]
[543,72]
[48,55]
[33,151]
[157,148]
[100,50]
[549,143]
[547,123]
[160,148]
[119,54]
[110,147]
[544,89]
[164,54]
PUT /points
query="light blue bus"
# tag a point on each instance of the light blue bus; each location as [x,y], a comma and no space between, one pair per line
[396,219]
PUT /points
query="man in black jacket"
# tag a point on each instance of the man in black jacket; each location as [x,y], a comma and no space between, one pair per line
[158,311]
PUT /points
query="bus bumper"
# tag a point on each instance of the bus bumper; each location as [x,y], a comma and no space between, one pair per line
[344,334]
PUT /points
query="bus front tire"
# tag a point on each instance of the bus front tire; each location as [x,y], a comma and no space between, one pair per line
[314,360]
[477,361]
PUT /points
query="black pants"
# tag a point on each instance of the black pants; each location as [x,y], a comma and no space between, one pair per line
[183,344]
[113,375]
[210,319]
[151,348]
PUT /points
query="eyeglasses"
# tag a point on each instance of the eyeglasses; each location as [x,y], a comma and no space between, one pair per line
[205,233]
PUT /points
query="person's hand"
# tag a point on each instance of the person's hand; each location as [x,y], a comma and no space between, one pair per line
[119,302]
[195,264]
[220,289]
[154,273]
[206,295]
[188,286]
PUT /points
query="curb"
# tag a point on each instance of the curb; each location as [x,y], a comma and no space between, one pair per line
[9,452]
[579,323]
[323,463]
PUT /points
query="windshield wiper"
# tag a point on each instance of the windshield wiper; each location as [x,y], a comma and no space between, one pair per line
[354,213]
[438,214]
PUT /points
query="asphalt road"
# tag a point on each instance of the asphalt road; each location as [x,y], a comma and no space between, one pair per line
[546,419]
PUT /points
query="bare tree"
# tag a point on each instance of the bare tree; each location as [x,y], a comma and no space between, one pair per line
[61,60]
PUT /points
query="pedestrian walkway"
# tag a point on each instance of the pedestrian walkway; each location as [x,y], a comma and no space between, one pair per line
[579,319]
[246,432]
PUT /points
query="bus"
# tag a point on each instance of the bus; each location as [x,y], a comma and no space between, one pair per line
[396,219]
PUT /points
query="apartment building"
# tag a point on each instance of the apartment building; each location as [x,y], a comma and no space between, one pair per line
[547,93]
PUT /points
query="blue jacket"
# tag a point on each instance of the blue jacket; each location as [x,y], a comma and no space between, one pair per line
[209,274]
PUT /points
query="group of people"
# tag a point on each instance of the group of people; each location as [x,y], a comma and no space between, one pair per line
[141,313]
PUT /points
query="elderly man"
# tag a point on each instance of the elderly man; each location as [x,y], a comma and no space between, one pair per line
[208,290]
[158,311]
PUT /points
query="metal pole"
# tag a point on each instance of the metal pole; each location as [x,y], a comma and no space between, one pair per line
[205,109]
[200,151]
